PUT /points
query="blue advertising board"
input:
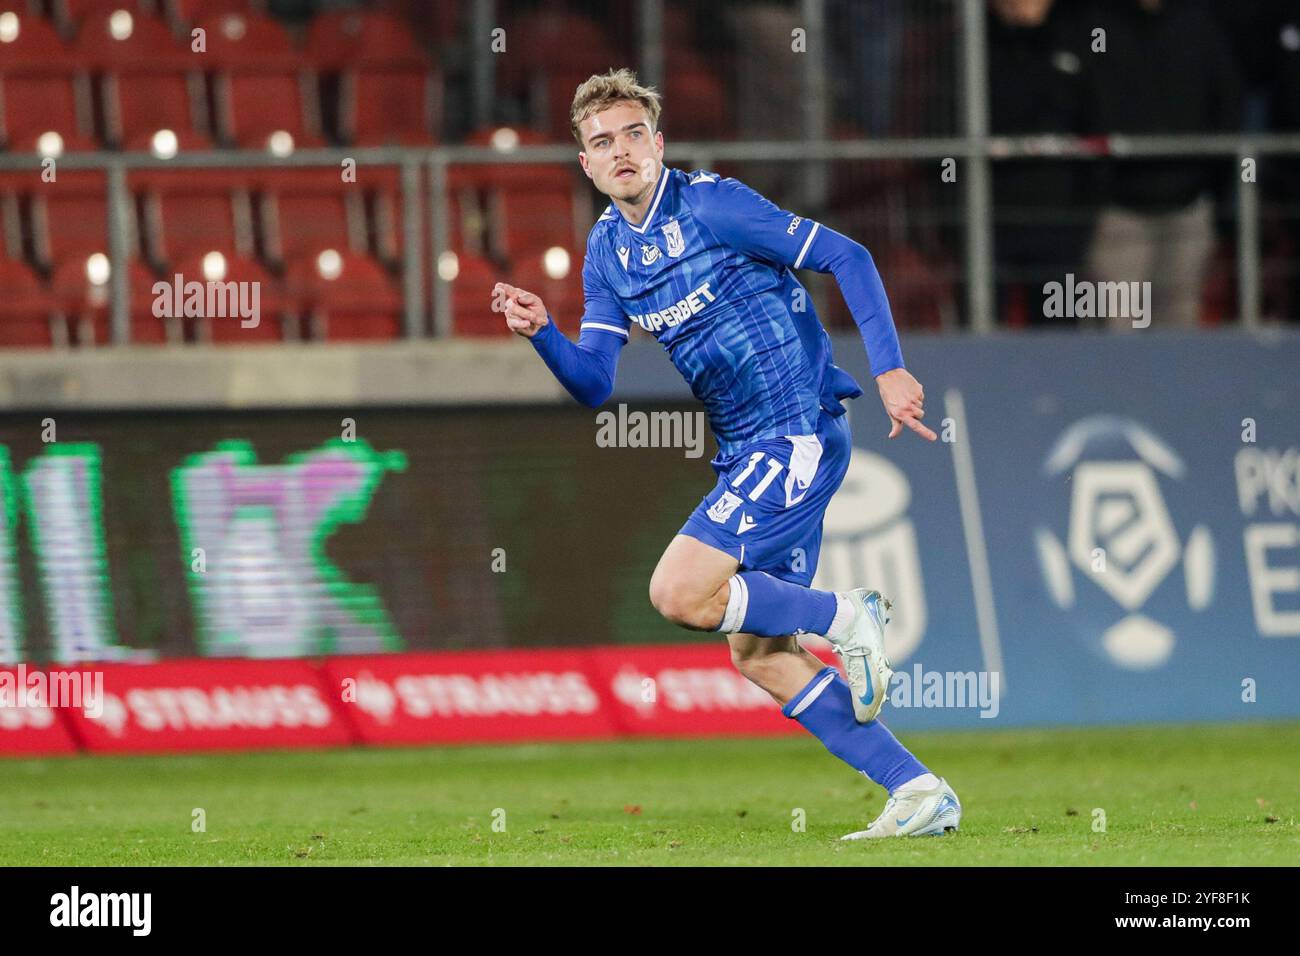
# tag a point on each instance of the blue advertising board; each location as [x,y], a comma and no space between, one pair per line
[1107,531]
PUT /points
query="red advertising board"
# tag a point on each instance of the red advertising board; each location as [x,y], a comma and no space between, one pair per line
[582,693]
[684,690]
[688,690]
[471,696]
[188,705]
[29,727]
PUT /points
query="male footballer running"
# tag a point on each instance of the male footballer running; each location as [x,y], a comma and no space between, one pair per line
[706,265]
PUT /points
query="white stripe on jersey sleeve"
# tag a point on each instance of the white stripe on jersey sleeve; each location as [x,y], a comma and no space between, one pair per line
[806,243]
[604,328]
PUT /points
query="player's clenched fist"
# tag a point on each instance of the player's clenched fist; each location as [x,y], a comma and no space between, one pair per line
[524,312]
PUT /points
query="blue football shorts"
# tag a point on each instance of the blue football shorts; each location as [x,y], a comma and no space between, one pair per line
[766,509]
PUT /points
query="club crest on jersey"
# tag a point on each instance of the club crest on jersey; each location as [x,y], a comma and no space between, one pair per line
[622,256]
[649,254]
[673,233]
[721,509]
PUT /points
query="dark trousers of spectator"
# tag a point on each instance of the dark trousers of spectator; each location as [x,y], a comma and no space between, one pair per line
[1031,256]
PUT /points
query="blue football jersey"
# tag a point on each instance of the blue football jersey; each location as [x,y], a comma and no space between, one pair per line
[710,274]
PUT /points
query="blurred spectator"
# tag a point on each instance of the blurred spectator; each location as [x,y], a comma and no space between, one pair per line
[1265,35]
[1165,69]
[1283,174]
[1042,215]
[1256,34]
[867,37]
[768,85]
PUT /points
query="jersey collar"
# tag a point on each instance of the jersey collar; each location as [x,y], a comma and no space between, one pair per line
[664,175]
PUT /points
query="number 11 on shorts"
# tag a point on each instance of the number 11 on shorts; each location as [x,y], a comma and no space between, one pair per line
[774,468]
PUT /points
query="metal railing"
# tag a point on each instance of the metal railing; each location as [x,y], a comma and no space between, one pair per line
[432,164]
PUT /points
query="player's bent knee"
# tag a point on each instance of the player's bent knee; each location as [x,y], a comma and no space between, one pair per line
[681,607]
[685,613]
[661,597]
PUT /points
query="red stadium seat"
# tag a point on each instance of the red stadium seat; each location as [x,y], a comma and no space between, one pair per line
[86,303]
[390,107]
[307,223]
[510,208]
[521,175]
[562,295]
[385,210]
[388,91]
[74,12]
[146,328]
[261,86]
[187,214]
[304,214]
[360,302]
[69,224]
[527,221]
[182,14]
[553,52]
[468,232]
[244,41]
[70,218]
[28,310]
[105,42]
[149,81]
[437,22]
[42,89]
[15,190]
[341,39]
[688,79]
[381,187]
[471,293]
[373,206]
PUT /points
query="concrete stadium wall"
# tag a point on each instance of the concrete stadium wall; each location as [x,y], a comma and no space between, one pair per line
[276,376]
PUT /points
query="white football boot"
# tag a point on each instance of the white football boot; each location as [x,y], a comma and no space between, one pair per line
[861,646]
[912,812]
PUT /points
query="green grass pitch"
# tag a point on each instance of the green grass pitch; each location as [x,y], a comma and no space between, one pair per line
[1185,795]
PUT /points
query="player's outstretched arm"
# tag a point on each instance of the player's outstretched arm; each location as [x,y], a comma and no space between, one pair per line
[752,223]
[586,369]
[859,281]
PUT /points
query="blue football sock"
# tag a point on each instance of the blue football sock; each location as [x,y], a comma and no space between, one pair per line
[769,607]
[825,708]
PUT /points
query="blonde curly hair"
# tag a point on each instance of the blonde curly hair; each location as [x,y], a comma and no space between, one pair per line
[603,90]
